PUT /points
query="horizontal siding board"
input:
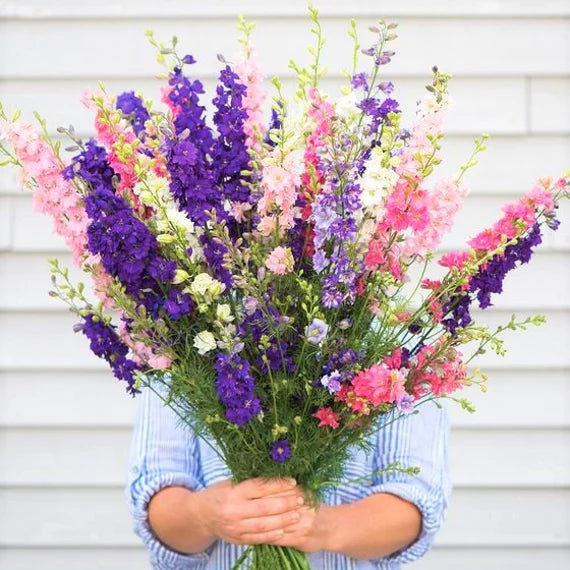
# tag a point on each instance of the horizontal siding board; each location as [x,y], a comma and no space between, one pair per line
[170,8]
[502,47]
[43,457]
[493,105]
[69,350]
[57,517]
[550,104]
[132,558]
[5,223]
[523,289]
[495,558]
[87,399]
[63,398]
[510,400]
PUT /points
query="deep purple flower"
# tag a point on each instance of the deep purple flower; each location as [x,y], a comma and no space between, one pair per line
[92,166]
[278,357]
[280,451]
[178,304]
[378,112]
[229,153]
[236,388]
[388,106]
[244,413]
[133,109]
[342,361]
[128,249]
[489,280]
[106,344]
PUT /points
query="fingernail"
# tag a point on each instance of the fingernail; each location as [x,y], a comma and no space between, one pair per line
[292,481]
[300,500]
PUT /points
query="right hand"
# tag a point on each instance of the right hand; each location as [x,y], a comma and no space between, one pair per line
[256,511]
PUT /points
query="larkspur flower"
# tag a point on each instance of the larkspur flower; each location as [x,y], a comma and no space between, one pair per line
[316,331]
[236,388]
[105,343]
[332,381]
[327,417]
[133,107]
[280,451]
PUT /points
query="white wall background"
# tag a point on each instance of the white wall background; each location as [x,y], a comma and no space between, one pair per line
[65,424]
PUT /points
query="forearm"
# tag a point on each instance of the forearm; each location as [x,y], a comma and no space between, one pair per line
[174,515]
[373,527]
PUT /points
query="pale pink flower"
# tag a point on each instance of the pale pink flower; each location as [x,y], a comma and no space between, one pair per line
[239,209]
[539,196]
[280,261]
[250,75]
[53,194]
[160,361]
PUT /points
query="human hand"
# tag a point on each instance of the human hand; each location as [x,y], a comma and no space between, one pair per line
[310,533]
[256,511]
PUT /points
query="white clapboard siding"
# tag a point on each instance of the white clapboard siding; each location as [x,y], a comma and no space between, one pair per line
[79,517]
[474,111]
[56,398]
[128,558]
[422,43]
[146,8]
[65,423]
[94,457]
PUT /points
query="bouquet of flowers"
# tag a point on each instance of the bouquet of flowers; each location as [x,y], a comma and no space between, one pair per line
[263,273]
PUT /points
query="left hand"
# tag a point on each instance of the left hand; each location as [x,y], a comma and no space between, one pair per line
[309,533]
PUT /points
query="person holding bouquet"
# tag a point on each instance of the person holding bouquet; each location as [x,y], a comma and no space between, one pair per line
[190,516]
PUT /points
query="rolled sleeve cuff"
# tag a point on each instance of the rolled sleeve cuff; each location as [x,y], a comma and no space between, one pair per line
[161,556]
[432,506]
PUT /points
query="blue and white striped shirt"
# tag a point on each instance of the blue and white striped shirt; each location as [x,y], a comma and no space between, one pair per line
[164,453]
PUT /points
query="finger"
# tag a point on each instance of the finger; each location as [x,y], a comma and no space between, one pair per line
[262,538]
[305,516]
[257,488]
[269,506]
[266,524]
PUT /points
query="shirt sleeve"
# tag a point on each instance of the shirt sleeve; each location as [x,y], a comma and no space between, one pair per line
[163,453]
[417,440]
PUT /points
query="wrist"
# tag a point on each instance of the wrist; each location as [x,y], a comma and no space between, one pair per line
[327,529]
[198,509]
